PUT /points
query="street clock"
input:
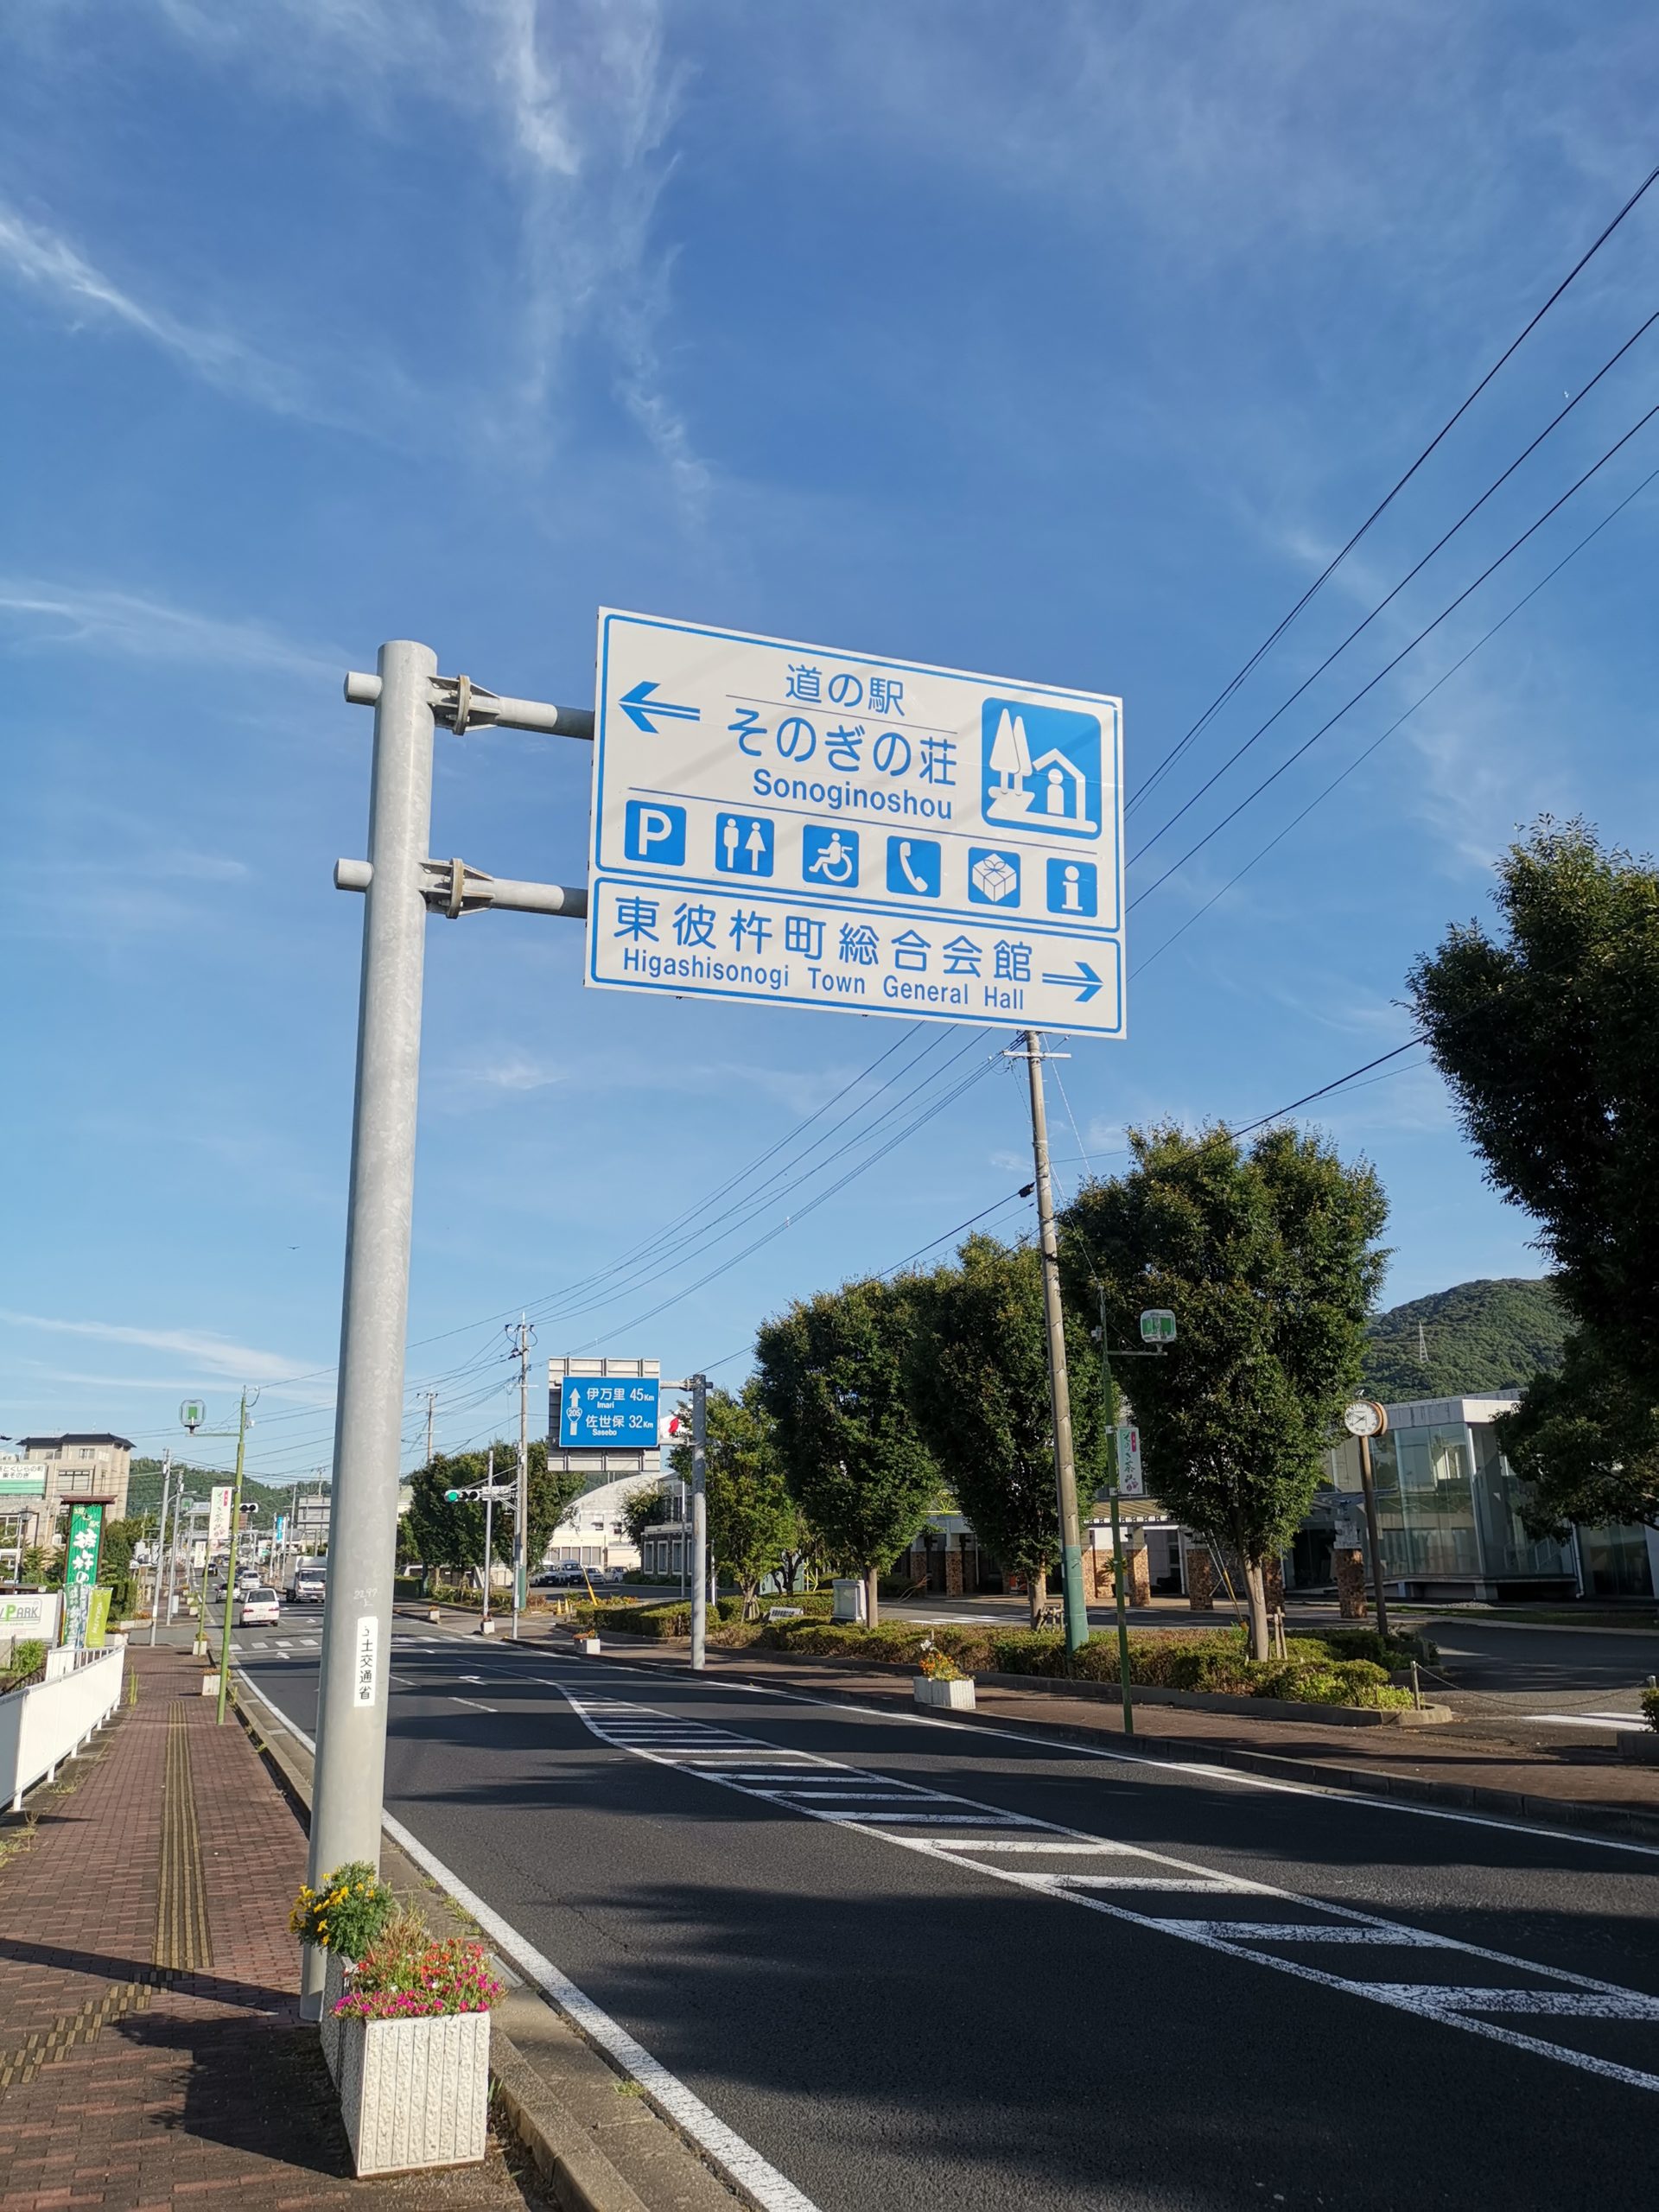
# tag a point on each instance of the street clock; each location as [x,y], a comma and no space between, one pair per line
[1364,1418]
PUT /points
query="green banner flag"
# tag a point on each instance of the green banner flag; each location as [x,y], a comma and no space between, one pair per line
[80,1572]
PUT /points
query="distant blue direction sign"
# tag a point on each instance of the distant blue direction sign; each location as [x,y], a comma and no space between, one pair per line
[795,825]
[609,1409]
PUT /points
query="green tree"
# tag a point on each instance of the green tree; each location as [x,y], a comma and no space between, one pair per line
[643,1509]
[1268,1259]
[978,1382]
[832,1375]
[752,1520]
[1546,1034]
[453,1536]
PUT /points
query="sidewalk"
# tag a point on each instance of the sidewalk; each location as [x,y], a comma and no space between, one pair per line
[151,2053]
[1548,1775]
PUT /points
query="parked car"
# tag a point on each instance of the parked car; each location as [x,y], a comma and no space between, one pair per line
[259,1607]
[609,1574]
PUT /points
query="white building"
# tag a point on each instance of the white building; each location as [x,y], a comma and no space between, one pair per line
[594,1532]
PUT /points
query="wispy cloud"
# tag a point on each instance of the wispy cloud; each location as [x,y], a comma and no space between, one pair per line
[140,628]
[215,1354]
[43,260]
[573,104]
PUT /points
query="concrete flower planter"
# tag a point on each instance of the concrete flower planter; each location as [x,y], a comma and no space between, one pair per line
[415,2093]
[588,1645]
[334,1971]
[956,1697]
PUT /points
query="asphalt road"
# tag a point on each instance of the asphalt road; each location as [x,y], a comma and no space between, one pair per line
[915,1965]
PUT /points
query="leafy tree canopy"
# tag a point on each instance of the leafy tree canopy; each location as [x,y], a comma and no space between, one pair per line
[752,1520]
[978,1382]
[1268,1259]
[832,1373]
[1546,1036]
[643,1509]
[1584,1443]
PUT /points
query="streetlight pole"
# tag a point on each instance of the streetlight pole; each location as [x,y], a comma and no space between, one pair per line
[1065,1465]
[161,1541]
[230,1564]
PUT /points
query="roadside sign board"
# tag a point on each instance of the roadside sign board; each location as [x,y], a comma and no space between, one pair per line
[596,1410]
[218,1518]
[793,825]
[1131,1477]
[86,1539]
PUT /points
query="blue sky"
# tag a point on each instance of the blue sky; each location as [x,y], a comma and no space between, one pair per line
[1063,343]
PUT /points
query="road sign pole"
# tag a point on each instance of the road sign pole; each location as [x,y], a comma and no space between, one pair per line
[230,1564]
[699,1518]
[1065,1466]
[1115,1476]
[350,1771]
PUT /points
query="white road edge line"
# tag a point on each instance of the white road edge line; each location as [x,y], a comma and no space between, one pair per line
[754,2178]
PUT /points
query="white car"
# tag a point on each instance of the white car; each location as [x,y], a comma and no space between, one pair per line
[259,1608]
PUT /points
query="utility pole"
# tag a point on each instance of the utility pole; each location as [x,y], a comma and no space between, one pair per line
[161,1541]
[1065,1466]
[699,1518]
[523,1335]
[230,1565]
[431,1397]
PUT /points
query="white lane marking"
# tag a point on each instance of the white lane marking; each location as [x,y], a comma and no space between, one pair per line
[473,1702]
[1218,1887]
[1444,2005]
[754,2178]
[1246,1932]
[1561,2003]
[1588,1719]
[1025,1843]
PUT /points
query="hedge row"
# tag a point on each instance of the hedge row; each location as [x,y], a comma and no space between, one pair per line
[1314,1672]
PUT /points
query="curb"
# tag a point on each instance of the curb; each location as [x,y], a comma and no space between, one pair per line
[580,2177]
[1466,1797]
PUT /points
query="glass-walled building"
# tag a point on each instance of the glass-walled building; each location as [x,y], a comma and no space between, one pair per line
[1449,1518]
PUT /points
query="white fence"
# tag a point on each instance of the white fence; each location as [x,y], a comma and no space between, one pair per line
[50,1722]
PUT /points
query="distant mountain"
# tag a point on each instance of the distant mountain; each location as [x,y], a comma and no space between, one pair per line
[144,1491]
[1474,1339]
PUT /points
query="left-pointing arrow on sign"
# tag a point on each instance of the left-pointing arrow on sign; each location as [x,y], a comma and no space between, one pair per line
[1083,980]
[638,706]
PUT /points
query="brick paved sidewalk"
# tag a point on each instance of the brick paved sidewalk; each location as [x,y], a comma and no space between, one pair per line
[151,2052]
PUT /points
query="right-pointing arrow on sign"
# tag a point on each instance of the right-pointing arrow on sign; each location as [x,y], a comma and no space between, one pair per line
[1083,981]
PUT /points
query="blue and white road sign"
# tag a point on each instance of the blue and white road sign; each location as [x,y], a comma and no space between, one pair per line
[609,1409]
[800,826]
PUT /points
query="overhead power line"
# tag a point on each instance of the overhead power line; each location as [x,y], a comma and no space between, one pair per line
[1389,667]
[1387,501]
[1422,700]
[1382,604]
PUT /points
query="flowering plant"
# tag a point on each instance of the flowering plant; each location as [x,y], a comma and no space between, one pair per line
[939,1666]
[346,1914]
[404,1975]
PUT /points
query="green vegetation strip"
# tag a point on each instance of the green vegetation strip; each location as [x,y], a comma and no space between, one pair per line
[1342,1667]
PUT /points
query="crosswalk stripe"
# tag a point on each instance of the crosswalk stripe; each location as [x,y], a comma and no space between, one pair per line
[754,1773]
